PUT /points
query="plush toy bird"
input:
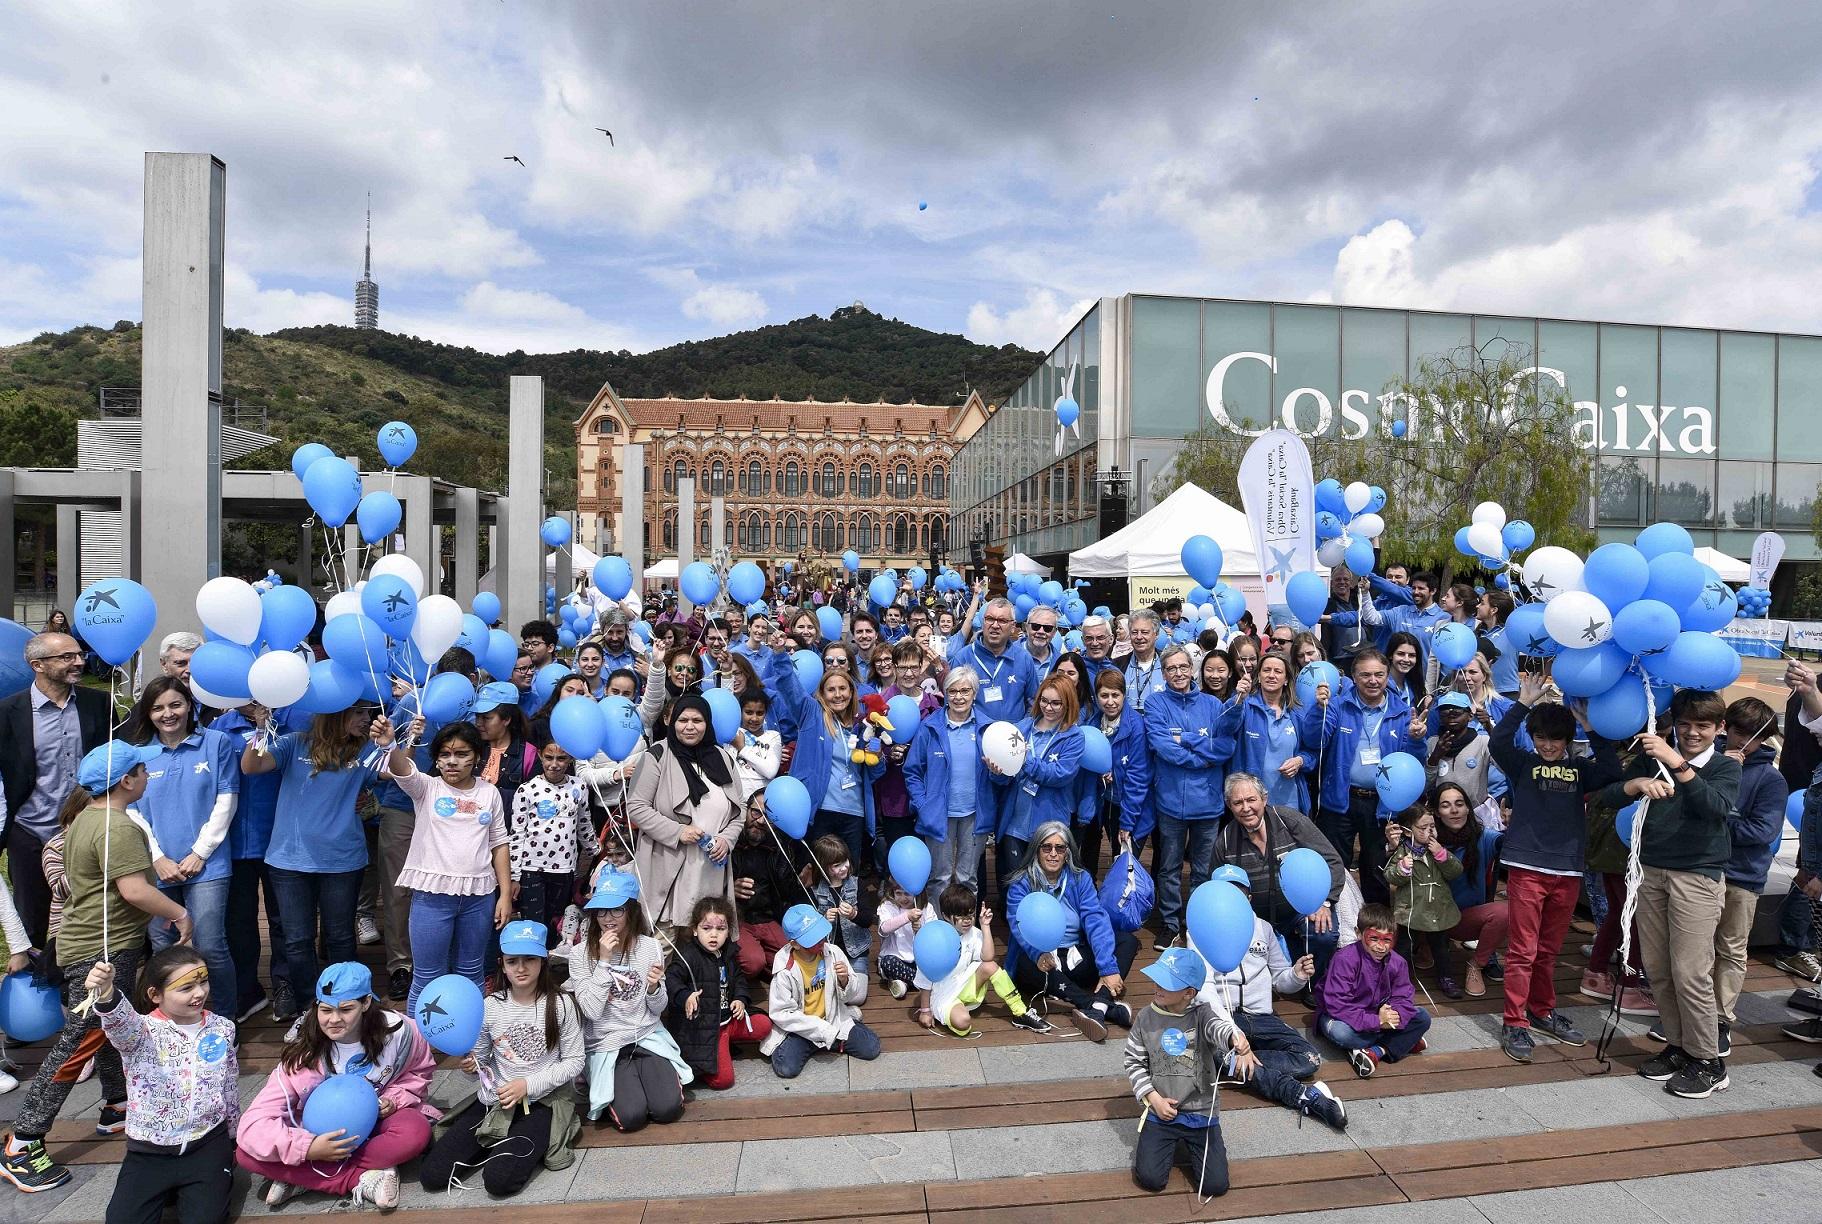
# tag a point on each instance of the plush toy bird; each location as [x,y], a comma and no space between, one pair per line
[875,731]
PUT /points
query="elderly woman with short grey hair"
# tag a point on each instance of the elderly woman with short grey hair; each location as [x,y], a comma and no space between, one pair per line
[952,792]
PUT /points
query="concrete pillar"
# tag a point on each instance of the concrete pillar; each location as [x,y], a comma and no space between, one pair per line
[69,555]
[686,532]
[420,529]
[631,536]
[718,530]
[180,432]
[522,591]
[306,557]
[9,561]
[467,544]
[564,575]
[132,534]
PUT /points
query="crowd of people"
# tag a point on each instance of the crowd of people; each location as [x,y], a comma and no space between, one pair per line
[636,921]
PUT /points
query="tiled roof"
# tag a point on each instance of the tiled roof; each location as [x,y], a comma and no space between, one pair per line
[742,416]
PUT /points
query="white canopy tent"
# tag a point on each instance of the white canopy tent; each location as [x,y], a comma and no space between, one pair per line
[1153,545]
[581,564]
[1019,563]
[663,571]
[1731,569]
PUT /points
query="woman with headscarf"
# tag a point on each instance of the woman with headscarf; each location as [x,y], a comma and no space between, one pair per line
[685,801]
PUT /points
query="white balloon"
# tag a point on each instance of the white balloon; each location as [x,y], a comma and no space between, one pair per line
[1357,496]
[438,625]
[1578,620]
[1491,512]
[340,602]
[278,678]
[1484,538]
[1004,745]
[230,608]
[1332,551]
[1551,571]
[218,703]
[1208,612]
[404,567]
[1369,525]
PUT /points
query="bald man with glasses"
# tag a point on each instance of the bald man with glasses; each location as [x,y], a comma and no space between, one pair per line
[1008,681]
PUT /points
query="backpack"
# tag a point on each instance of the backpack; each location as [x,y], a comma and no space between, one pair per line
[1127,893]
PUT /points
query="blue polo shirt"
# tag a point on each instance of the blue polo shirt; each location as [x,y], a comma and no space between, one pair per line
[181,787]
[251,831]
[964,753]
[316,828]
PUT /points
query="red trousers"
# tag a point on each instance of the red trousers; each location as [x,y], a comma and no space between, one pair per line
[755,1028]
[1539,909]
[759,943]
[1487,923]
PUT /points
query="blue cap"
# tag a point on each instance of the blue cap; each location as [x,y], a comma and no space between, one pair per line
[344,983]
[1454,701]
[805,926]
[493,694]
[614,889]
[105,765]
[1178,969]
[1233,875]
[525,939]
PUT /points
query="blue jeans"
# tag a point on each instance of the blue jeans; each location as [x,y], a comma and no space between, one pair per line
[851,829]
[1395,1042]
[1286,1060]
[1319,944]
[207,901]
[448,935]
[794,1052]
[250,874]
[1174,836]
[306,898]
[955,858]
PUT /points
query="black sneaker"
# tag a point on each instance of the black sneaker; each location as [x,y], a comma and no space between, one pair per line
[398,986]
[253,1009]
[1725,1044]
[1120,1014]
[1032,1022]
[1517,1043]
[284,1002]
[112,1121]
[1656,1033]
[1494,971]
[1557,1025]
[1664,1065]
[1699,1078]
[1805,1030]
[1321,1103]
[32,1169]
[1089,1023]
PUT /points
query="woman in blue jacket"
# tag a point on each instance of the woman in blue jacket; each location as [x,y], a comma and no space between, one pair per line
[828,729]
[952,790]
[1190,751]
[1116,803]
[1087,969]
[1044,789]
[1269,741]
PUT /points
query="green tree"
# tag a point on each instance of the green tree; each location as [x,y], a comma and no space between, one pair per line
[37,429]
[1479,428]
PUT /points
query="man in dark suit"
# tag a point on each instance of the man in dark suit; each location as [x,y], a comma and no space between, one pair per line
[43,733]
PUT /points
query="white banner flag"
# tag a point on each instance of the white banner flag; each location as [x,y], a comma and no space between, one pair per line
[1767,551]
[1279,493]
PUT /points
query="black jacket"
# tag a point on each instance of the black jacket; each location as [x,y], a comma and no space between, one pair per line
[694,969]
[776,885]
[18,758]
[1802,750]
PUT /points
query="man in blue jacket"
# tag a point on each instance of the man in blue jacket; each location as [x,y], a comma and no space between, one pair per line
[1190,748]
[1007,681]
[1359,728]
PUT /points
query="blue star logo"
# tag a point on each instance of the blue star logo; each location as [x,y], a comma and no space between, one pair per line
[1281,563]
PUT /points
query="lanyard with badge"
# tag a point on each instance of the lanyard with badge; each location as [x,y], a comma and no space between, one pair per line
[1141,684]
[993,692]
[1369,737]
[1030,785]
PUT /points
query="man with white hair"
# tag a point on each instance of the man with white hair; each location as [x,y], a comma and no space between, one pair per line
[174,654]
[1008,682]
[1097,646]
[1143,675]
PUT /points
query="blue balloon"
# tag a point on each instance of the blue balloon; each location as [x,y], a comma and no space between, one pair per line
[903,717]
[1454,645]
[1616,574]
[1714,608]
[746,583]
[1359,557]
[1695,661]
[1400,781]
[390,603]
[1202,559]
[642,631]
[1307,596]
[1525,630]
[287,614]
[333,489]
[787,806]
[29,1010]
[566,638]
[698,583]
[613,577]
[882,590]
[1023,605]
[378,515]
[828,620]
[808,666]
[1230,603]
[724,713]
[1329,497]
[1660,538]
[473,637]
[1304,879]
[555,531]
[1645,626]
[1220,921]
[449,1014]
[398,442]
[909,862]
[919,578]
[850,561]
[1584,673]
[1793,810]
[1097,753]
[1518,535]
[578,726]
[544,682]
[1675,579]
[937,949]
[403,659]
[621,729]
[1050,592]
[500,654]
[1620,711]
[1399,429]
[15,672]
[1039,922]
[1461,543]
[346,1103]
[1313,674]
[487,606]
[1075,611]
[1376,500]
[1625,823]
[567,613]
[448,698]
[1328,525]
[307,454]
[333,688]
[115,616]
[221,668]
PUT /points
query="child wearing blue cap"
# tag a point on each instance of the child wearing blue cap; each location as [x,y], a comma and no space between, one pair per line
[815,998]
[528,1053]
[1173,1053]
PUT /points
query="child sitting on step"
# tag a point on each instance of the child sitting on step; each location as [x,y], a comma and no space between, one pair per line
[815,998]
[1364,1003]
[962,990]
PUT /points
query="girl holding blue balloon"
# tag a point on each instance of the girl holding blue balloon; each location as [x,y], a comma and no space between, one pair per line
[346,1104]
[183,1094]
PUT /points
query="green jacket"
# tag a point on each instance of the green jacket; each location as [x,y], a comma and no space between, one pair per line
[1421,897]
[1688,831]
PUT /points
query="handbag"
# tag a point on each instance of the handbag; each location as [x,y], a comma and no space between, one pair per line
[1127,893]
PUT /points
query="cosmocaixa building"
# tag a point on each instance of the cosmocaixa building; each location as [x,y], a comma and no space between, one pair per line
[1718,430]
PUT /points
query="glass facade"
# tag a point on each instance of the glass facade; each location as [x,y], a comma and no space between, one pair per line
[1720,431]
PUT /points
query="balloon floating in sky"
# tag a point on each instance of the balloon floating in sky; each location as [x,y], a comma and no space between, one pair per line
[922,205]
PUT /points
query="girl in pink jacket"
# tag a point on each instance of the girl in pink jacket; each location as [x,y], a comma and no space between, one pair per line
[347,1031]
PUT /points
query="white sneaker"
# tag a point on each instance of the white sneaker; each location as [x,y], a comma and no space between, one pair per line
[379,1187]
[88,1072]
[895,988]
[366,930]
[7,1083]
[279,1193]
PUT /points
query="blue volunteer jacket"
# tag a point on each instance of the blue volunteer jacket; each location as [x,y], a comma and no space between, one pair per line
[1338,738]
[815,756]
[1189,754]
[1045,787]
[1131,787]
[1076,891]
[927,767]
[1757,821]
[1250,740]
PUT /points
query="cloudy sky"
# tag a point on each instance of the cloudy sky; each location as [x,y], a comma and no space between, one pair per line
[1655,165]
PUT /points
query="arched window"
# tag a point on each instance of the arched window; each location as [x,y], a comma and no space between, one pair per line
[790,531]
[831,479]
[902,486]
[718,478]
[788,482]
[939,531]
[823,533]
[680,472]
[607,425]
[755,478]
[670,533]
[869,483]
[903,538]
[865,534]
[939,482]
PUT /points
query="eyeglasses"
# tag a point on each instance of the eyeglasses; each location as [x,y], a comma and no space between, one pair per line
[997,620]
[1281,641]
[1052,848]
[68,656]
[1177,669]
[1037,628]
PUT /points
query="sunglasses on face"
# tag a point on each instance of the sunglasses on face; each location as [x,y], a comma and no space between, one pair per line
[1052,848]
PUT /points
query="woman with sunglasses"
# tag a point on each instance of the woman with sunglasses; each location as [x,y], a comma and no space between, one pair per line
[682,674]
[1087,970]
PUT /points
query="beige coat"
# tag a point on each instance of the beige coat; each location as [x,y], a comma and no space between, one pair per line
[674,876]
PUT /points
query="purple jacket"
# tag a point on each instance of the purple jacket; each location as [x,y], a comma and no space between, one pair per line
[1356,986]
